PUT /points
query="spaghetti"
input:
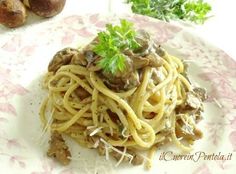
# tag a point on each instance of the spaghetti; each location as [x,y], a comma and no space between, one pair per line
[124,123]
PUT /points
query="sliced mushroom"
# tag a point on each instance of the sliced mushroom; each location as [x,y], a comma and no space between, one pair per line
[154,60]
[81,93]
[201,93]
[58,149]
[157,76]
[140,62]
[193,101]
[79,59]
[145,42]
[62,57]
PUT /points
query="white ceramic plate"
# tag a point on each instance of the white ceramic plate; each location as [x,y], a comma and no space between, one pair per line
[24,56]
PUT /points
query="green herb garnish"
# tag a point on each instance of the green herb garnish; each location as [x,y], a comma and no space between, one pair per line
[112,43]
[194,11]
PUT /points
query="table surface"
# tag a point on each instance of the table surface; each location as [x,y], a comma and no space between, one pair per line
[220,30]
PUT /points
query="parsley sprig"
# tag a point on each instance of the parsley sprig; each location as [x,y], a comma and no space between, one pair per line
[112,43]
[192,10]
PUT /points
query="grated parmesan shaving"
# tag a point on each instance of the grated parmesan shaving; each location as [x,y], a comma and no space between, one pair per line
[91,127]
[107,146]
[42,137]
[122,157]
[96,144]
[111,130]
[187,127]
[107,152]
[217,103]
[95,131]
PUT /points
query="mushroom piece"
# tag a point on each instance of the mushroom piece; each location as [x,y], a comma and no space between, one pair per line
[45,8]
[58,149]
[144,40]
[201,93]
[12,13]
[62,57]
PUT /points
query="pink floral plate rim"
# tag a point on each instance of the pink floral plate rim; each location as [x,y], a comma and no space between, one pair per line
[25,53]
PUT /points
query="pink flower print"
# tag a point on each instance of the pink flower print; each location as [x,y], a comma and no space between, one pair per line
[232,139]
[7,108]
[94,18]
[100,24]
[73,19]
[162,31]
[138,19]
[216,77]
[233,123]
[4,73]
[203,169]
[215,131]
[15,160]
[47,167]
[221,86]
[227,61]
[13,44]
[12,143]
[8,88]
[84,32]
[97,21]
[27,50]
[68,37]
[222,164]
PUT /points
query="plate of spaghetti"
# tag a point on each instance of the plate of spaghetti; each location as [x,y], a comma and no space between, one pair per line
[108,94]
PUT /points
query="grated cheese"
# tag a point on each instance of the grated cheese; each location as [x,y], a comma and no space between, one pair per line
[95,131]
[107,152]
[42,137]
[107,146]
[91,127]
[96,144]
[217,103]
[111,130]
[122,157]
[187,127]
